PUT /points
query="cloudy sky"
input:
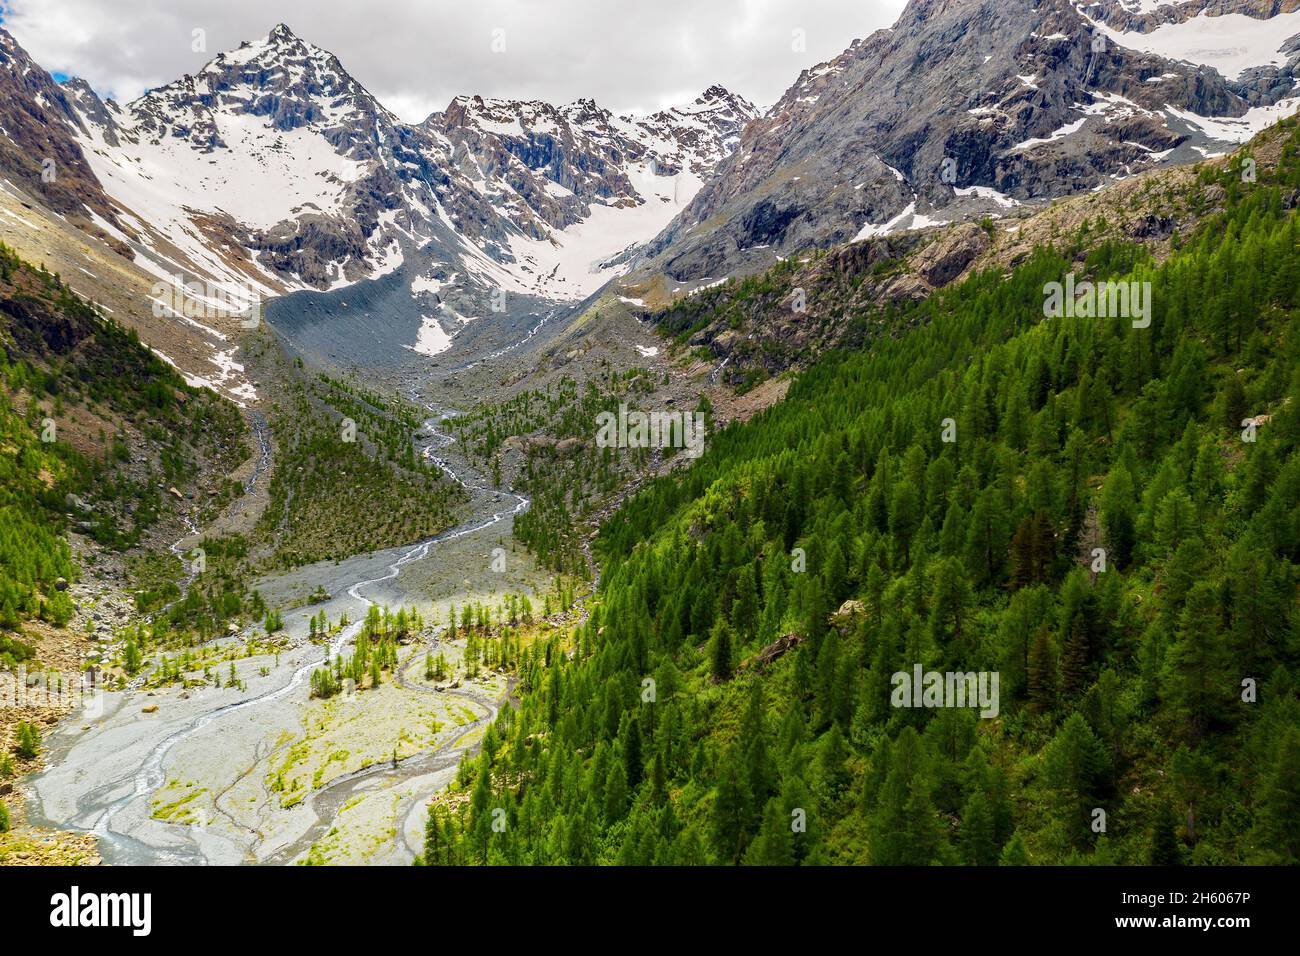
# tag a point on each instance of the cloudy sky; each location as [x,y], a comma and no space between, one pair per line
[415,55]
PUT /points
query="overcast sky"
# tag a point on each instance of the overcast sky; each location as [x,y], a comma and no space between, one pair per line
[415,55]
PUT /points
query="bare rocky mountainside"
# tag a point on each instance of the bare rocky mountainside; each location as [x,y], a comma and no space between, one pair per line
[968,107]
[38,150]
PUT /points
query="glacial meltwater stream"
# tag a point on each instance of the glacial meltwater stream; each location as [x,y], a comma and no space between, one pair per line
[100,808]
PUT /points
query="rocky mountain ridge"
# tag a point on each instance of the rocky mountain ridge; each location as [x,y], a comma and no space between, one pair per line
[273,168]
[967,108]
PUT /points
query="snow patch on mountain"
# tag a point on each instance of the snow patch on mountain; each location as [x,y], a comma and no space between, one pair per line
[989,193]
[1238,129]
[1059,133]
[575,262]
[432,339]
[905,221]
[1231,43]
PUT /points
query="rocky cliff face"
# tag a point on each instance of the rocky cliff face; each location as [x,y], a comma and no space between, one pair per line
[39,154]
[972,107]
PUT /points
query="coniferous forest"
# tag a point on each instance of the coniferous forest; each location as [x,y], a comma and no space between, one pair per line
[1107,517]
[879,470]
[64,364]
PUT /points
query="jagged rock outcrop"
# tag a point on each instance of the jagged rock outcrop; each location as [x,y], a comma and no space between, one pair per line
[947,258]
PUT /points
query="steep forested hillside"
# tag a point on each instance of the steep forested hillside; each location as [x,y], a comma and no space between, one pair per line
[568,479]
[94,429]
[98,438]
[1103,533]
[349,479]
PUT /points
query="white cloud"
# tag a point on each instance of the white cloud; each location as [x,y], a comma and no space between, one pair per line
[415,55]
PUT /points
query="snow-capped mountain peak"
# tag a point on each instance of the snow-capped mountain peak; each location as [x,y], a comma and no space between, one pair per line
[290,82]
[274,149]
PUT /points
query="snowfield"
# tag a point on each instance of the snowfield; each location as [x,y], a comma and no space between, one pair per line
[1231,44]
